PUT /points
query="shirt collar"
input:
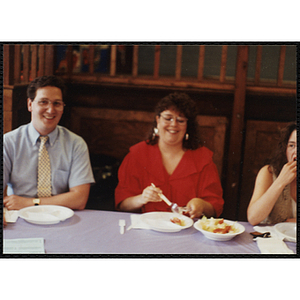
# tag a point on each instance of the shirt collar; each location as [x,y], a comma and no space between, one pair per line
[34,135]
[155,166]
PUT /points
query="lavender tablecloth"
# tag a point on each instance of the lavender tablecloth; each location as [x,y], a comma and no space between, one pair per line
[97,232]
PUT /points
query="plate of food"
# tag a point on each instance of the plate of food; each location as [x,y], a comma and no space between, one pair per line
[287,230]
[166,221]
[45,214]
[219,229]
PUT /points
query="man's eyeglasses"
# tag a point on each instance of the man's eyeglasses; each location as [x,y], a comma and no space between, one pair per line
[170,118]
[59,105]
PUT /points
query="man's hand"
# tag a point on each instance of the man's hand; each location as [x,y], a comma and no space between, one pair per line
[14,202]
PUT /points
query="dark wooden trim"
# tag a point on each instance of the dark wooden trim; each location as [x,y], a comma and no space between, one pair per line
[26,63]
[34,58]
[178,62]
[17,66]
[41,60]
[236,134]
[281,65]
[201,62]
[91,58]
[258,64]
[156,62]
[223,63]
[151,82]
[135,61]
[113,60]
[265,90]
[7,108]
[8,64]
[49,57]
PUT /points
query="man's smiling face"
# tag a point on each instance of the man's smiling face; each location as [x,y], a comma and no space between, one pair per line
[45,119]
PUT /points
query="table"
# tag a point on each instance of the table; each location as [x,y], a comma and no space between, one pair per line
[97,232]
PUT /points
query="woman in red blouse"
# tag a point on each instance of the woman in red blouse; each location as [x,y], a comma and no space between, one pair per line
[173,159]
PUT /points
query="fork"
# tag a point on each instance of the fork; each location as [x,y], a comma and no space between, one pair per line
[174,206]
[122,226]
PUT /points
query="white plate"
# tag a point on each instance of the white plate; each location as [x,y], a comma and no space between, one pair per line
[287,230]
[220,236]
[161,221]
[45,214]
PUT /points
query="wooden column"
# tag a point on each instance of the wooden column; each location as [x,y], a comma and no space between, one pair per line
[258,64]
[8,80]
[49,60]
[7,108]
[156,62]
[236,135]
[281,65]
[113,60]
[26,63]
[223,63]
[178,62]
[17,64]
[8,64]
[41,71]
[135,61]
[201,62]
[69,57]
[91,59]
[34,56]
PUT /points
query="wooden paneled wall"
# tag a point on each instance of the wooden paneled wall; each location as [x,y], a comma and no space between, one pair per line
[104,108]
[112,132]
[260,141]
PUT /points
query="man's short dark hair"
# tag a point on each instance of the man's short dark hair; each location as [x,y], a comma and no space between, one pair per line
[43,81]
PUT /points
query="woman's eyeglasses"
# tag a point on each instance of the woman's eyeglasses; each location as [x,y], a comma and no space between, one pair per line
[170,119]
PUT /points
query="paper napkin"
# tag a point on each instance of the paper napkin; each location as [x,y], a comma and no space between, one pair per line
[272,245]
[11,216]
[137,223]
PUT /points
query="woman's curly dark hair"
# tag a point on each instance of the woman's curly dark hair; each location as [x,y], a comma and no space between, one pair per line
[182,103]
[278,158]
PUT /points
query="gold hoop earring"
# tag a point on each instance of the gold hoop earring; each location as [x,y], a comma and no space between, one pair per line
[186,136]
[155,133]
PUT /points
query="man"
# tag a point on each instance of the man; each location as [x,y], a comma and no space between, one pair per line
[71,172]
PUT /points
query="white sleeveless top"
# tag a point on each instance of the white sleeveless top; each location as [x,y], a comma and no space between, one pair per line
[284,208]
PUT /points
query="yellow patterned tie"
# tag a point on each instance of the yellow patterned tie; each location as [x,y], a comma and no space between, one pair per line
[44,170]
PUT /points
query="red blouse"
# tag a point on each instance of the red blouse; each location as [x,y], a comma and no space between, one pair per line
[196,176]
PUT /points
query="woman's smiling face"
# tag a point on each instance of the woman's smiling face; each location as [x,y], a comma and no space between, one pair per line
[171,127]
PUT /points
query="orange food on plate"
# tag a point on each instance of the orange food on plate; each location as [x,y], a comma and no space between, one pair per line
[217,225]
[222,230]
[177,221]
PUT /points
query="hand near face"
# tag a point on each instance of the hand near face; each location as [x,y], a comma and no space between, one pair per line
[288,173]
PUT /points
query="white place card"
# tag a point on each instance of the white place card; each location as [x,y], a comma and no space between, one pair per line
[24,246]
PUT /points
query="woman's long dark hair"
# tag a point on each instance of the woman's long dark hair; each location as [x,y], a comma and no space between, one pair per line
[182,103]
[279,159]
